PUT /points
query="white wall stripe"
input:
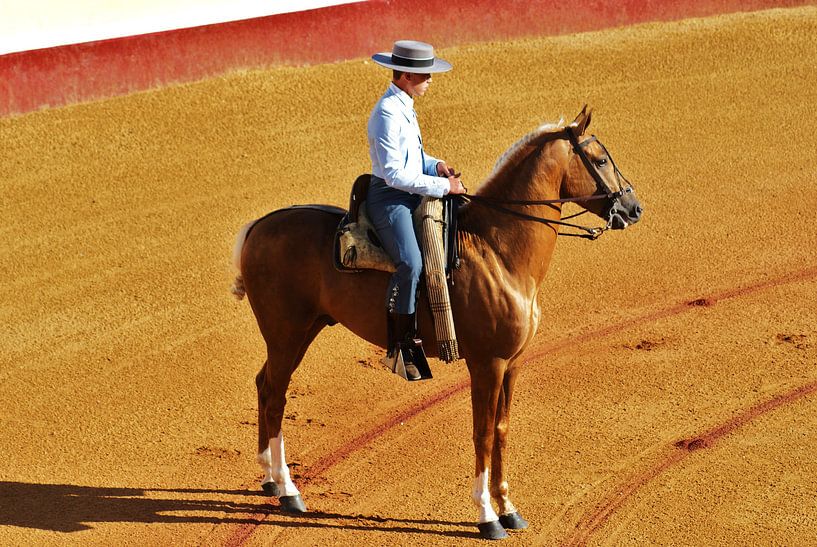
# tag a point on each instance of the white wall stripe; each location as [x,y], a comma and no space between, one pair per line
[36,24]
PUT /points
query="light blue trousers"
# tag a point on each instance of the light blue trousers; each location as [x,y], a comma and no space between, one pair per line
[391,212]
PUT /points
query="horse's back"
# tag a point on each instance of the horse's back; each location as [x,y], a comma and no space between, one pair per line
[288,249]
[294,223]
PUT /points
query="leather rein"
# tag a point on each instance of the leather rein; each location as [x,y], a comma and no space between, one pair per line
[591,233]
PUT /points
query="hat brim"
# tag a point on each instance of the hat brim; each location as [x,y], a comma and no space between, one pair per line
[384,59]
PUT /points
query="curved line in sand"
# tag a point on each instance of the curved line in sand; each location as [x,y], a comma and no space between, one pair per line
[595,519]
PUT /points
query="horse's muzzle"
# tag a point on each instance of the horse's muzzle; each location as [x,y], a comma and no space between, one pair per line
[624,211]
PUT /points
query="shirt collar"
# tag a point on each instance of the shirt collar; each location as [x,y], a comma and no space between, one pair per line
[402,95]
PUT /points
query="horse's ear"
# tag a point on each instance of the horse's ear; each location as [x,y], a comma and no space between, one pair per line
[582,120]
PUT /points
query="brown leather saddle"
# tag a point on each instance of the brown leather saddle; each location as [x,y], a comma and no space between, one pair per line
[360,189]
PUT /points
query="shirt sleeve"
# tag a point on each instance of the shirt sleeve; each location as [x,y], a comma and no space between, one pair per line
[430,165]
[385,140]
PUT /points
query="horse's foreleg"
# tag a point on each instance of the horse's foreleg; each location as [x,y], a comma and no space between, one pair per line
[486,383]
[283,357]
[509,517]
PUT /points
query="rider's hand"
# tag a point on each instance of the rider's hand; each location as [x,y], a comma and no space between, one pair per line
[456,186]
[443,170]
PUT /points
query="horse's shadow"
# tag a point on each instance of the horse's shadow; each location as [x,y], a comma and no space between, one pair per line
[68,508]
[71,508]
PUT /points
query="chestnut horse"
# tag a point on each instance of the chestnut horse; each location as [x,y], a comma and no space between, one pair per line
[507,235]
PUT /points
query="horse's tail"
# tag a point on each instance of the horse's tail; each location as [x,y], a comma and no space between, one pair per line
[238,285]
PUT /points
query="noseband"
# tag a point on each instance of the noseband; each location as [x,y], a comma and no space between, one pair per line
[602,192]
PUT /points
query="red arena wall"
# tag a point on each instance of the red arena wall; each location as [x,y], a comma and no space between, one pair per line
[62,75]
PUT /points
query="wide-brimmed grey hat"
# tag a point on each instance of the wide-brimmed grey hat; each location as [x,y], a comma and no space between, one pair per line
[412,56]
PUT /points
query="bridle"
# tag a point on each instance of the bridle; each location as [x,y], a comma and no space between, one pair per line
[602,192]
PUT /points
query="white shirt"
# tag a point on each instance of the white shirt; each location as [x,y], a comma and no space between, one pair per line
[396,147]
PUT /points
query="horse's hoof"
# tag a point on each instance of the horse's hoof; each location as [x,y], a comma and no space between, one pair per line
[292,504]
[270,489]
[492,530]
[513,521]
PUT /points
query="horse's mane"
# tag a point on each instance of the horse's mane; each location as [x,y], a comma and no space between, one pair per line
[518,151]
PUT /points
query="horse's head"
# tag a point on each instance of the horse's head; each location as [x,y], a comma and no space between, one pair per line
[591,172]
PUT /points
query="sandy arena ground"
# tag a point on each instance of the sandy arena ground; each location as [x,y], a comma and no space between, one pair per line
[668,398]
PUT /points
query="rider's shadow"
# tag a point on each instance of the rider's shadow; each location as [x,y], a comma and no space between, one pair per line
[71,508]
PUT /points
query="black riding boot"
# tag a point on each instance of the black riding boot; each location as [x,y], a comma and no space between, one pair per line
[402,331]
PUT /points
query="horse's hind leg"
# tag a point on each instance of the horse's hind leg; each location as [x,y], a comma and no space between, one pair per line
[284,353]
[267,483]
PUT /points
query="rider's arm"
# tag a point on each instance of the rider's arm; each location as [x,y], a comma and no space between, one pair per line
[391,152]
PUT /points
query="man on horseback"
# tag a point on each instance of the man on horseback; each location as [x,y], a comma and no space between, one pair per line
[401,174]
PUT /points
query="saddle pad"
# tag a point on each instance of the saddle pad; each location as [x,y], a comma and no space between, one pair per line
[359,248]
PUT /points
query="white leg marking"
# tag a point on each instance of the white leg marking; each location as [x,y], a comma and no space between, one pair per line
[482,498]
[279,469]
[504,501]
[265,461]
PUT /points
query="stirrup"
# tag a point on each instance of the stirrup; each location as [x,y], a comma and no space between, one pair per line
[397,364]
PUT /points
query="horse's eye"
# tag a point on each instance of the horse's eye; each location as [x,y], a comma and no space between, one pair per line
[602,162]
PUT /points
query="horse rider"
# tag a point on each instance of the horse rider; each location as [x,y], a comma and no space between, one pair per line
[402,173]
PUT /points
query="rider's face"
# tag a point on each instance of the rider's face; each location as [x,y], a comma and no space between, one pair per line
[417,84]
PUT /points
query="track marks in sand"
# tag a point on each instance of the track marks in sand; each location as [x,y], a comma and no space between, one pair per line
[672,455]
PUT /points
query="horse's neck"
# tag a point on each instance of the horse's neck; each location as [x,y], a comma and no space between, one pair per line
[523,246]
[528,174]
